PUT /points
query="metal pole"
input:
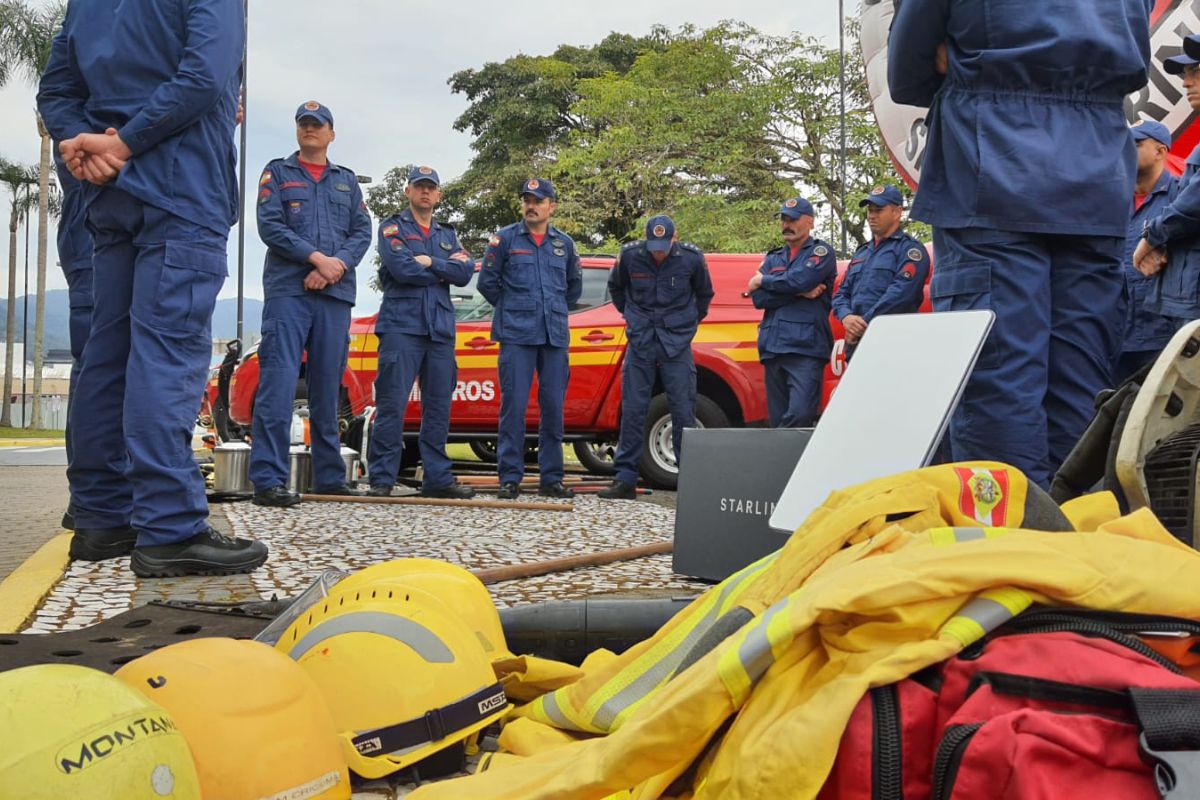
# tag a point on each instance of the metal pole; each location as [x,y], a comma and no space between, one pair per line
[241,267]
[842,74]
[25,323]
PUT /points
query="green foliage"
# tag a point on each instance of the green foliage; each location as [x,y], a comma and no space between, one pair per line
[715,127]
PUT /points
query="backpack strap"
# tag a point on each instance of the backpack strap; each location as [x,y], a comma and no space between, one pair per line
[1170,738]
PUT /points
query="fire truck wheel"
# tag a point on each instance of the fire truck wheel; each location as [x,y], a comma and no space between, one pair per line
[597,455]
[658,466]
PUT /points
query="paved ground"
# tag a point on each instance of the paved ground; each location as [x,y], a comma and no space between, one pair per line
[318,536]
[34,499]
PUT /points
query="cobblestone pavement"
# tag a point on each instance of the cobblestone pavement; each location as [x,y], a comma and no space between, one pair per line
[32,502]
[313,537]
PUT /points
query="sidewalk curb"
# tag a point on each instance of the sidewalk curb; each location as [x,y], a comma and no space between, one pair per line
[32,442]
[28,584]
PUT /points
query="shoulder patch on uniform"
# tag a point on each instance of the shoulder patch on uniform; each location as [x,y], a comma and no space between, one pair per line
[396,245]
[390,230]
[915,254]
[264,196]
[820,251]
[494,241]
[266,178]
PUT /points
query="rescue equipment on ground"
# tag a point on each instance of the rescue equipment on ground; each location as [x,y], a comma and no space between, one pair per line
[1054,699]
[882,581]
[257,725]
[68,731]
[404,677]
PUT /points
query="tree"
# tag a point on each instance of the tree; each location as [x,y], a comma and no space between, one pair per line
[25,49]
[718,128]
[519,112]
[18,179]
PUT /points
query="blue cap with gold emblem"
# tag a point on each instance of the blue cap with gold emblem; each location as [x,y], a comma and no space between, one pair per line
[660,233]
[424,174]
[315,110]
[539,188]
[795,208]
[881,196]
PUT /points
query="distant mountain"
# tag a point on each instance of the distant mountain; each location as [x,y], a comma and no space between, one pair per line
[58,312]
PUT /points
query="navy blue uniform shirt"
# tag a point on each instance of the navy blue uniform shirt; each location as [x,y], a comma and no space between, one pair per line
[1145,328]
[532,286]
[793,324]
[884,278]
[1175,291]
[661,302]
[298,216]
[416,299]
[1027,130]
[165,74]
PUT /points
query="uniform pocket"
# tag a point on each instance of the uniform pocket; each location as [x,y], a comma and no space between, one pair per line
[340,210]
[967,286]
[188,284]
[297,205]
[267,347]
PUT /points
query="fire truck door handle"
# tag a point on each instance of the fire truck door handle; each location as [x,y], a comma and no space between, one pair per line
[479,342]
[598,336]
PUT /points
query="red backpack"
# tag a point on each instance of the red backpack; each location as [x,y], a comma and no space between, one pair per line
[1055,705]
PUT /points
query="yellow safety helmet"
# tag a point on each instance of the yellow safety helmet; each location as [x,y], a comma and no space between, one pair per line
[257,724]
[460,591]
[404,678]
[71,731]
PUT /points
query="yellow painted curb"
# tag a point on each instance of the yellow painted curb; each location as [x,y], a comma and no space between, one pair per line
[28,585]
[32,442]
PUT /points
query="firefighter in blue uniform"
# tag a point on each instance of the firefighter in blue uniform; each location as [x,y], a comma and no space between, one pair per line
[142,100]
[1169,247]
[887,274]
[1146,330]
[421,259]
[75,258]
[316,227]
[794,287]
[1028,172]
[662,288]
[531,274]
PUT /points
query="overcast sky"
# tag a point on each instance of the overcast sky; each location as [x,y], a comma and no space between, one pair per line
[382,68]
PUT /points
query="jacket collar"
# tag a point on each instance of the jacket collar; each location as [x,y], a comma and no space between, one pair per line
[294,161]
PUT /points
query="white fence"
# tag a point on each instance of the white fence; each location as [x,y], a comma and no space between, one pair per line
[54,411]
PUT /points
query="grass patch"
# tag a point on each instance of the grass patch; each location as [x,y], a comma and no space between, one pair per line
[29,433]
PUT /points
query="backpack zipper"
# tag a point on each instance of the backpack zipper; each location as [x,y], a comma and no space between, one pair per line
[949,757]
[1050,622]
[886,746]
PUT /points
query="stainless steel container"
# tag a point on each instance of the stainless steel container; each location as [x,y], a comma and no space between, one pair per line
[231,468]
[350,459]
[299,469]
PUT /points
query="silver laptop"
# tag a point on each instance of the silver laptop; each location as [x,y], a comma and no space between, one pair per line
[891,408]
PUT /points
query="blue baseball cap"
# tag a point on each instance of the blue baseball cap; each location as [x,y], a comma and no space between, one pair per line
[1175,65]
[795,208]
[660,233]
[1149,129]
[315,110]
[424,174]
[1191,46]
[882,196]
[540,188]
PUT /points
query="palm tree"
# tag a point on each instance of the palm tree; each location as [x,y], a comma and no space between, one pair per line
[18,178]
[26,34]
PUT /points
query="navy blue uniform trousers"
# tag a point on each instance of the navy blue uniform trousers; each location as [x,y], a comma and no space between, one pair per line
[320,324]
[1060,316]
[79,298]
[518,362]
[404,358]
[637,382]
[793,389]
[134,407]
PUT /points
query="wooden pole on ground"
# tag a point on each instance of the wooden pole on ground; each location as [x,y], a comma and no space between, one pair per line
[517,571]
